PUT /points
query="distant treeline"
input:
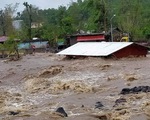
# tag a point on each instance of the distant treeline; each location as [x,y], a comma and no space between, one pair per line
[132,16]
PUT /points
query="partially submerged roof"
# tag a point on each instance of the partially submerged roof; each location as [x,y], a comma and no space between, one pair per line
[94,48]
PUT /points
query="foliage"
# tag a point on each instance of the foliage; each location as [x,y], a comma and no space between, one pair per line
[146,32]
[7,18]
[132,16]
[11,46]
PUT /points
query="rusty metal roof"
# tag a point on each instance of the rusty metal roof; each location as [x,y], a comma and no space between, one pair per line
[94,48]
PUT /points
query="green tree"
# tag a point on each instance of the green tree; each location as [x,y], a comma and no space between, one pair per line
[28,9]
[2,23]
[11,45]
[6,19]
[31,15]
[130,17]
[97,15]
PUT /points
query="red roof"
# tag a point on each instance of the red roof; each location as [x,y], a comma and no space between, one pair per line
[91,38]
[3,38]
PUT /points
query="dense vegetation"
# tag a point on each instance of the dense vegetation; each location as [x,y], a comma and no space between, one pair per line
[132,16]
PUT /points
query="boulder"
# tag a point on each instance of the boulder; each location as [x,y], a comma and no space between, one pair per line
[61,111]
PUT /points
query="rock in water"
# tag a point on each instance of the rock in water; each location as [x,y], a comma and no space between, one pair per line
[125,91]
[135,90]
[13,113]
[62,111]
[120,101]
[99,105]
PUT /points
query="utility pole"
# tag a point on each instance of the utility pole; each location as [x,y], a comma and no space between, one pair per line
[111,27]
[28,8]
[104,15]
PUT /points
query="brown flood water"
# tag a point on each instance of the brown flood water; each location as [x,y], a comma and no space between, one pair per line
[35,86]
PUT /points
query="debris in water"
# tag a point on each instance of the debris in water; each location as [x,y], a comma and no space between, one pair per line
[13,113]
[62,111]
[99,105]
[120,101]
[135,90]
[82,106]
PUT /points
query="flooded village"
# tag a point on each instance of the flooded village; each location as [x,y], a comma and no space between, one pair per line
[79,60]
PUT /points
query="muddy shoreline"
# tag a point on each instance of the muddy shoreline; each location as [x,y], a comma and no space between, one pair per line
[35,86]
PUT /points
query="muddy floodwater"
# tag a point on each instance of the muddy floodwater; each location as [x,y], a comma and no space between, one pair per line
[87,88]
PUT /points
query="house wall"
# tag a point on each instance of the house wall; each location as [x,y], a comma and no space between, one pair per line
[71,40]
[36,44]
[132,50]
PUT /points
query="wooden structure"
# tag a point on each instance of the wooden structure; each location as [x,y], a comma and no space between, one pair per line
[106,49]
[93,37]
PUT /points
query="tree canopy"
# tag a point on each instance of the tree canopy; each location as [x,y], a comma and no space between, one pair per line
[132,16]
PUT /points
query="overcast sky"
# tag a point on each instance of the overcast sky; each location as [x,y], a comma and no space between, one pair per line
[43,4]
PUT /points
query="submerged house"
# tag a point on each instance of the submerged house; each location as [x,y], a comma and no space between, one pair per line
[92,37]
[105,49]
[95,37]
[39,44]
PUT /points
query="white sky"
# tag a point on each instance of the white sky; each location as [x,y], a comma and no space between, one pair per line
[42,4]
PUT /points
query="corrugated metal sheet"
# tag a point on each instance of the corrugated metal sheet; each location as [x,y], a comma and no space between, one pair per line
[91,38]
[94,48]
